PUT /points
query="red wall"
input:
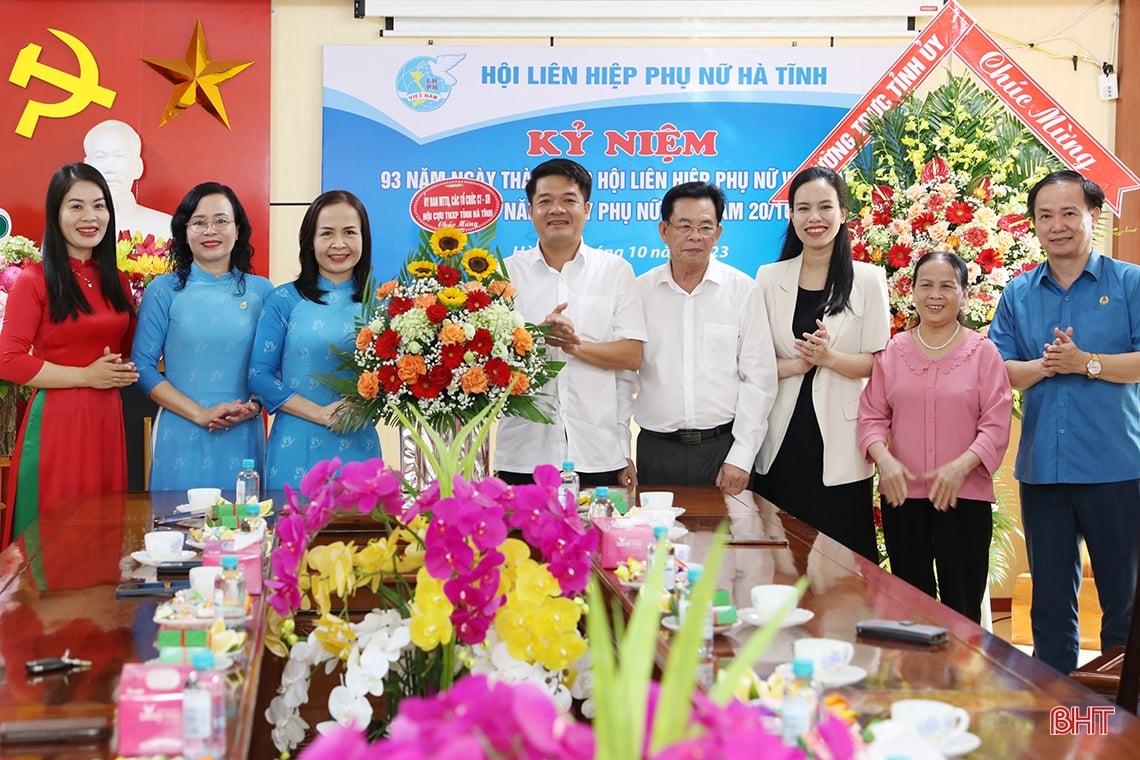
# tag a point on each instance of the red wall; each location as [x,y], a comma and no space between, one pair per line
[193,147]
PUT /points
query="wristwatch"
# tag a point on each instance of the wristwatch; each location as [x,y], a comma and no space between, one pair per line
[1092,369]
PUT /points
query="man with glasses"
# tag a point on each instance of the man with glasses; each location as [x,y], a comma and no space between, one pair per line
[708,377]
[589,299]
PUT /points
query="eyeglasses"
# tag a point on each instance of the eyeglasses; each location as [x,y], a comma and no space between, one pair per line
[219,223]
[704,231]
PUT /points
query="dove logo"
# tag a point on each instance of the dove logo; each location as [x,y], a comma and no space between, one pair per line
[424,84]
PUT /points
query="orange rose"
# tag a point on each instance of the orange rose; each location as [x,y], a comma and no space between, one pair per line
[502,288]
[386,289]
[424,300]
[452,333]
[368,385]
[523,341]
[474,380]
[522,383]
[410,367]
[364,338]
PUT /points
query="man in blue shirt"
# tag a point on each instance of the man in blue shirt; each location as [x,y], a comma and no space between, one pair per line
[1069,332]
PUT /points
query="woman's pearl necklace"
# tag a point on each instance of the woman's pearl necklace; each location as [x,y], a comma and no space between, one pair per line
[927,346]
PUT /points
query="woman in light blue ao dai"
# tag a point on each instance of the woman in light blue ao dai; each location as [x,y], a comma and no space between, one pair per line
[200,321]
[301,324]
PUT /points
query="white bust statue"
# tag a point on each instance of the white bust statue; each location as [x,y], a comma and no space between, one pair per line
[115,149]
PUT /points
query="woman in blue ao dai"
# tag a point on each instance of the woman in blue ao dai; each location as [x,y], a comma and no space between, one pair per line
[200,320]
[302,323]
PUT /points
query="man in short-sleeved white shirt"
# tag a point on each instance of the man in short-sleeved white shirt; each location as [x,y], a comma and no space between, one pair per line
[708,378]
[589,298]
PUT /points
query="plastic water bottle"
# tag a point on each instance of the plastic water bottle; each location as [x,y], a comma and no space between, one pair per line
[661,542]
[248,490]
[706,658]
[601,506]
[570,486]
[229,594]
[800,711]
[203,710]
[254,523]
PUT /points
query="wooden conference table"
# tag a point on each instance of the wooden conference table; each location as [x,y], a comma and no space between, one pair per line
[1008,694]
[57,592]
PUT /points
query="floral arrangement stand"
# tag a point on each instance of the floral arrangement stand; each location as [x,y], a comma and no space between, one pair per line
[482,600]
[949,171]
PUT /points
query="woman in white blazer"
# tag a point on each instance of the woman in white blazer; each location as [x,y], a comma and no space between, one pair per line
[829,316]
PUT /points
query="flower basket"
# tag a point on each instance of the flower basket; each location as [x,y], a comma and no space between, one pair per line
[443,338]
[949,171]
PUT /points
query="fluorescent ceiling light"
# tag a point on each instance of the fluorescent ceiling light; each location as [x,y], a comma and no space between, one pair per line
[651,18]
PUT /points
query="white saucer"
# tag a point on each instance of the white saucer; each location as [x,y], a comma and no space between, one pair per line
[670,622]
[963,744]
[677,531]
[186,509]
[798,616]
[631,584]
[842,676]
[143,558]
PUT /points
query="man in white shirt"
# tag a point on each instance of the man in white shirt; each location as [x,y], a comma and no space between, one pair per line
[589,298]
[708,378]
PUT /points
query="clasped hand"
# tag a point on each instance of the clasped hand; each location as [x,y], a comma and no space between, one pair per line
[1062,356]
[945,482]
[228,414]
[814,349]
[110,371]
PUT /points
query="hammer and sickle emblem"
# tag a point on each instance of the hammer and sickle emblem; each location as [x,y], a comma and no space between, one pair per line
[85,88]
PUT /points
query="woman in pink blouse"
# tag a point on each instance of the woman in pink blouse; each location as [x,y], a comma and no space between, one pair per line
[935,418]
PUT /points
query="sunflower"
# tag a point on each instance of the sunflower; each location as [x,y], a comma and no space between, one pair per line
[452,297]
[421,269]
[478,263]
[447,241]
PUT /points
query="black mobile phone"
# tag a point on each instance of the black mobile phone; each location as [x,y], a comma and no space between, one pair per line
[177,568]
[54,730]
[903,630]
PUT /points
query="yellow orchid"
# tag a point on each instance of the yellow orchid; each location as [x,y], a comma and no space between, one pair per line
[431,611]
[334,562]
[335,635]
[535,582]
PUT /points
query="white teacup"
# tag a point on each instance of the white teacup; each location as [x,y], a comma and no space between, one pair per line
[769,599]
[656,500]
[203,498]
[202,580]
[827,655]
[164,544]
[937,722]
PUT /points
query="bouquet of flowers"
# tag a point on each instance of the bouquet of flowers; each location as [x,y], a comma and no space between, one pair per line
[142,259]
[944,210]
[948,171]
[443,338]
[456,593]
[16,254]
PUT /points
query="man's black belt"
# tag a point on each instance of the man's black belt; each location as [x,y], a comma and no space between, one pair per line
[692,437]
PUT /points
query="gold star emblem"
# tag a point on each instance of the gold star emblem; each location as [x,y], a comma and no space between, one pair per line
[196,78]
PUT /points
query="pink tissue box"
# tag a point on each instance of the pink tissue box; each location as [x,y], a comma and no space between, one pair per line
[150,708]
[250,561]
[622,539]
